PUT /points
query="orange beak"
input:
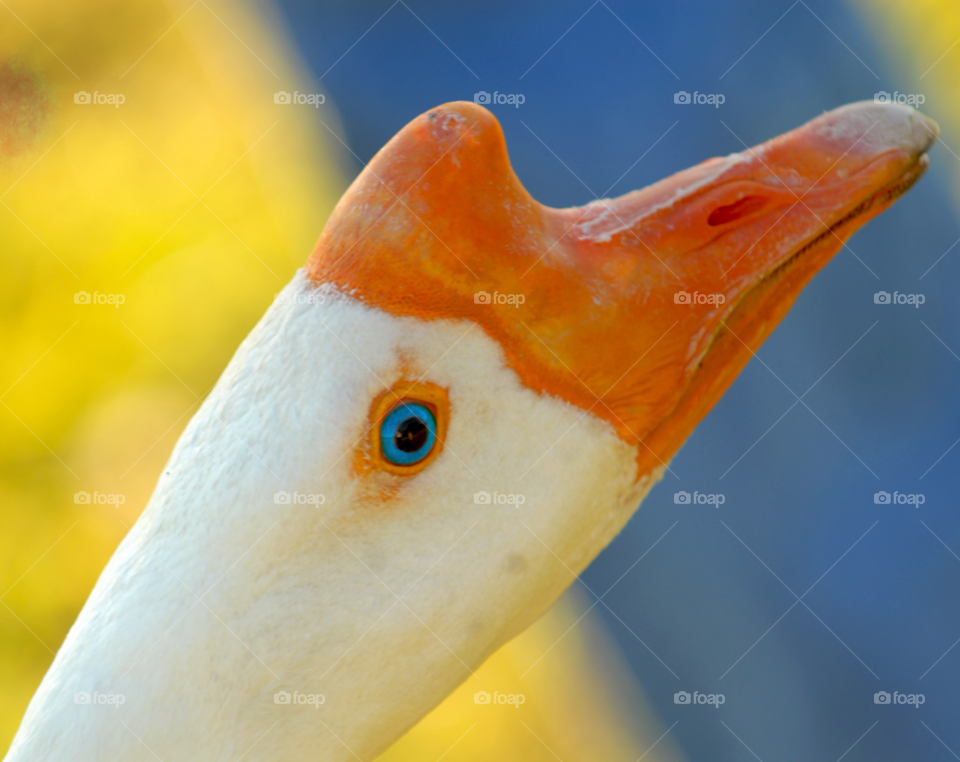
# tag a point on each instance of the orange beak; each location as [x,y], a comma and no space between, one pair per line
[641,309]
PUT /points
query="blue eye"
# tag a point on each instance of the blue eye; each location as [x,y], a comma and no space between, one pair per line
[408,433]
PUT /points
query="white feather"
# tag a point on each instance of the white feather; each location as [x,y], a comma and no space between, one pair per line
[219,598]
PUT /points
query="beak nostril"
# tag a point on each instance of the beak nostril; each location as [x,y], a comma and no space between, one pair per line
[746,205]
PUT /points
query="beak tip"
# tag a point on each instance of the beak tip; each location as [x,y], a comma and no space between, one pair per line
[927,128]
[904,126]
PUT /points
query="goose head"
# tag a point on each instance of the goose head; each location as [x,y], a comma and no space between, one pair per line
[442,419]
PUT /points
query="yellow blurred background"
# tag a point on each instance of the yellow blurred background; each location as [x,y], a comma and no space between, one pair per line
[196,200]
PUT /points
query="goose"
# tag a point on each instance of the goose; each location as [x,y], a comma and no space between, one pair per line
[446,415]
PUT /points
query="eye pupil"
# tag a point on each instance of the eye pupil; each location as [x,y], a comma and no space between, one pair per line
[411,435]
[408,434]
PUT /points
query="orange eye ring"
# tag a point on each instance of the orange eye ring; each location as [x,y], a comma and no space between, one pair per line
[432,397]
